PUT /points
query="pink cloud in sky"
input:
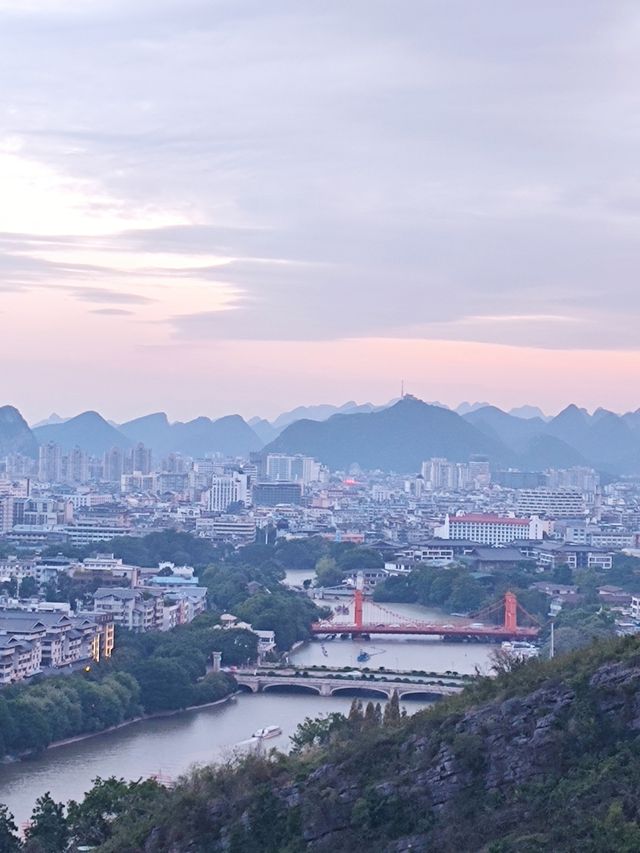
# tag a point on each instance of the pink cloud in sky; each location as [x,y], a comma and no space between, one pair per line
[256,377]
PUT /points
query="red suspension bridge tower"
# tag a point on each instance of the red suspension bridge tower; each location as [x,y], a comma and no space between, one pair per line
[397,624]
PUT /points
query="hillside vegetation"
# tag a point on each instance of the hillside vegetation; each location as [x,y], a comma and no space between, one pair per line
[543,758]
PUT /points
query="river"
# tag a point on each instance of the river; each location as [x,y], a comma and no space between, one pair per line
[169,746]
[164,746]
[425,653]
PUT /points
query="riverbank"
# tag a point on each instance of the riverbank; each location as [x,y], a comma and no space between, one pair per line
[164,747]
[26,756]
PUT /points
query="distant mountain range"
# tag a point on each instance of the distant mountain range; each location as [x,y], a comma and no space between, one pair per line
[230,435]
[90,431]
[400,437]
[397,436]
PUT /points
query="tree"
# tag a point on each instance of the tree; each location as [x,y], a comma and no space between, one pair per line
[625,572]
[317,732]
[327,572]
[10,587]
[48,826]
[588,582]
[355,713]
[395,588]
[164,684]
[563,574]
[90,820]
[467,594]
[298,553]
[370,721]
[503,662]
[360,558]
[441,588]
[9,841]
[237,645]
[392,710]
[28,587]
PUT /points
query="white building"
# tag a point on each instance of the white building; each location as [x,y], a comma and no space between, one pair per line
[292,469]
[227,489]
[131,608]
[556,503]
[489,529]
[234,528]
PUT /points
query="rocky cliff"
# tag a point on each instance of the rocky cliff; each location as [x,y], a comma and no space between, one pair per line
[544,758]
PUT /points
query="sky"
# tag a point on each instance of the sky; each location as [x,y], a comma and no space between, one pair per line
[215,206]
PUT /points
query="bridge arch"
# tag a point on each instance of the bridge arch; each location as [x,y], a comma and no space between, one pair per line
[291,688]
[419,695]
[247,688]
[364,692]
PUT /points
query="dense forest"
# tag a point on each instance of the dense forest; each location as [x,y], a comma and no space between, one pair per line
[545,756]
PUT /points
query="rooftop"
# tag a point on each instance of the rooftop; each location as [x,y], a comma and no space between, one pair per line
[488,518]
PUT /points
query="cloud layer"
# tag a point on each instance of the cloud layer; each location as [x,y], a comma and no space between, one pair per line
[213,171]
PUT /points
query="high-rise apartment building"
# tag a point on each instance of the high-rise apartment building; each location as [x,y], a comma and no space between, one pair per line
[77,466]
[175,463]
[113,466]
[582,479]
[141,459]
[50,463]
[280,467]
[226,490]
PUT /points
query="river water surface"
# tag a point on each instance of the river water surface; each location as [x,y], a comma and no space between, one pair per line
[169,746]
[164,746]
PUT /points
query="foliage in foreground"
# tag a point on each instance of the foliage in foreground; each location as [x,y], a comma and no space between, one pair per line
[359,782]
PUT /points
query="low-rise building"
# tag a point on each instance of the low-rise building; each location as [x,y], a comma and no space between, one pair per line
[31,642]
[552,554]
[159,608]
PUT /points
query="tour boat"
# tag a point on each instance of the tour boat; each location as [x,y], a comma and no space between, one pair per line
[268,731]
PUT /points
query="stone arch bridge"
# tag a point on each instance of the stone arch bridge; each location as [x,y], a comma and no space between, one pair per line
[344,686]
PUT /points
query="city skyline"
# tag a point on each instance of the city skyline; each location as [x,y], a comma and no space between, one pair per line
[252,207]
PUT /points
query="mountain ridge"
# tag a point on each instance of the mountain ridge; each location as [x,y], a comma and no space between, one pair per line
[15,434]
[88,430]
[604,440]
[399,438]
[230,434]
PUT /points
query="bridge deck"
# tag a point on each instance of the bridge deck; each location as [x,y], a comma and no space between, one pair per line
[329,686]
[462,632]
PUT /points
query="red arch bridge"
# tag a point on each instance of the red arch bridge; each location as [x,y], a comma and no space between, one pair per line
[506,609]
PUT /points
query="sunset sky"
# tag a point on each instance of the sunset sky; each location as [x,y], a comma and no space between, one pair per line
[215,206]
